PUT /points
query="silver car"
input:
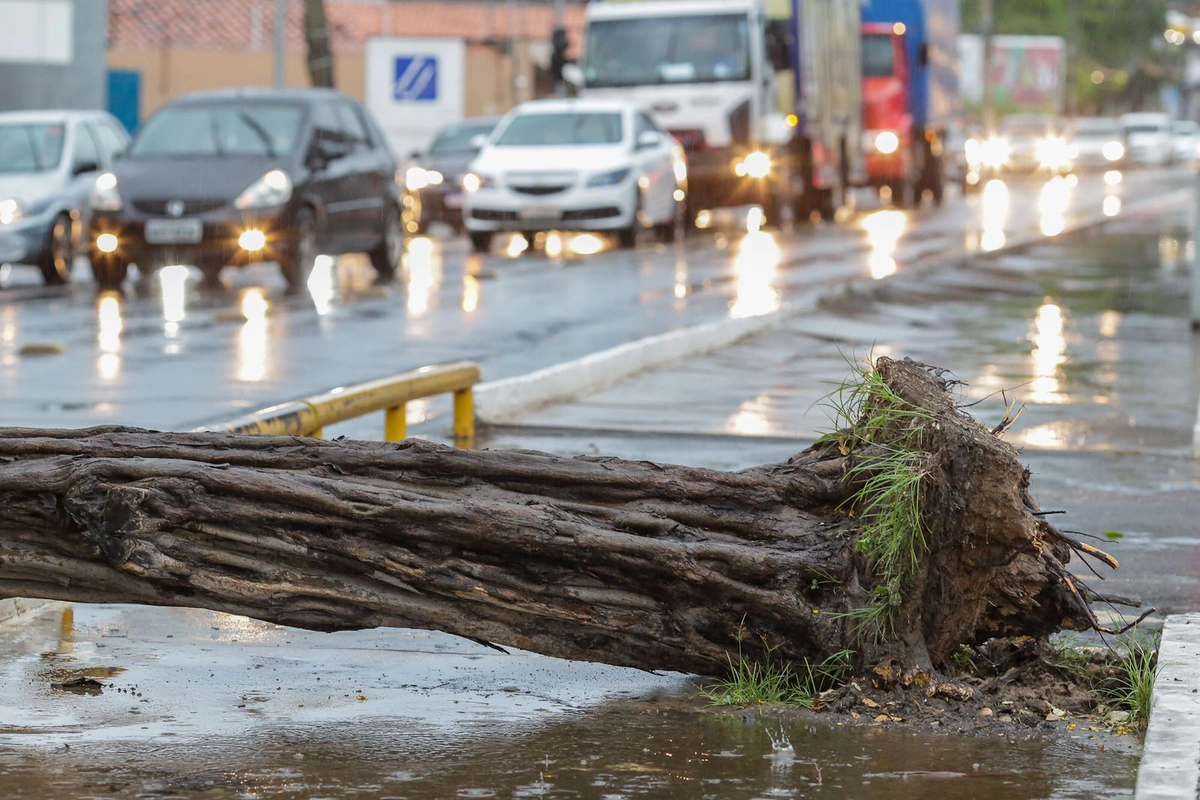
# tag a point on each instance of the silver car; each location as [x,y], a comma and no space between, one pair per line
[49,161]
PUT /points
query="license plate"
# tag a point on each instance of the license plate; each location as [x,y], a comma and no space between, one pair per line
[454,200]
[540,213]
[174,231]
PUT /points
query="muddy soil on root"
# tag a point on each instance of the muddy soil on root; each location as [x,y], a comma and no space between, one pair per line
[1019,689]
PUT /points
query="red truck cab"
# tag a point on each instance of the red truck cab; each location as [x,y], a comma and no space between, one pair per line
[887,115]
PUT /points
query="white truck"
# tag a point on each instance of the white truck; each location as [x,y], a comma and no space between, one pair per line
[764,95]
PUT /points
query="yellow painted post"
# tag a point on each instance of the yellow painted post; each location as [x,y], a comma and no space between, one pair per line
[66,631]
[319,433]
[464,419]
[395,423]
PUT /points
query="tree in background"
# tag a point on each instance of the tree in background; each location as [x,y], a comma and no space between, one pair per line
[316,37]
[1120,56]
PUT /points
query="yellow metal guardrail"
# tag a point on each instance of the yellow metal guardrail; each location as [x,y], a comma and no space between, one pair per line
[310,415]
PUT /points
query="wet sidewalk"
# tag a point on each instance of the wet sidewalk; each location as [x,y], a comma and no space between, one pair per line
[1090,334]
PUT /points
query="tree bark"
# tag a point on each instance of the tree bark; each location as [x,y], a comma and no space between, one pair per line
[630,563]
[316,37]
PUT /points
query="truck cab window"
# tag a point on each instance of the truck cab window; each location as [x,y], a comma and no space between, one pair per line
[877,55]
[701,49]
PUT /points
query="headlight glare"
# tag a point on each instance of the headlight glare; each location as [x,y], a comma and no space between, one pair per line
[1113,151]
[416,179]
[754,165]
[10,211]
[887,142]
[107,243]
[474,181]
[272,189]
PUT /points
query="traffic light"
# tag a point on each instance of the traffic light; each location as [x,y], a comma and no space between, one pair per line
[558,53]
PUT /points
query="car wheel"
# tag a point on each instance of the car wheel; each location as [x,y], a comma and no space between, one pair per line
[668,231]
[108,270]
[298,263]
[627,236]
[386,257]
[481,241]
[58,252]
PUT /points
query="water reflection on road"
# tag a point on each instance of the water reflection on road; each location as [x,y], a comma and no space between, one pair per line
[884,229]
[625,752]
[755,263]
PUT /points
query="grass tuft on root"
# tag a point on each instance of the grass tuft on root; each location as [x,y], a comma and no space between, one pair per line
[886,430]
[756,683]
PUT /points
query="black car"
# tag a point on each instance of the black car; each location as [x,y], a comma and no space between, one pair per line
[434,180]
[249,175]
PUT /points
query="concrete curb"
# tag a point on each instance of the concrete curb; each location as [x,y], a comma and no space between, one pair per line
[500,400]
[497,402]
[1170,768]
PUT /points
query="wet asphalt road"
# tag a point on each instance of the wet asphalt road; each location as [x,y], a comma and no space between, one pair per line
[168,355]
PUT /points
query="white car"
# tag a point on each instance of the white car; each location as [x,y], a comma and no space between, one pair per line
[1149,136]
[586,165]
[1185,140]
[1096,143]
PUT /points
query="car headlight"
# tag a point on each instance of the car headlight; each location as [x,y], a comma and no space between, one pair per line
[272,189]
[10,211]
[417,178]
[887,142]
[611,178]
[474,181]
[754,165]
[104,196]
[1113,151]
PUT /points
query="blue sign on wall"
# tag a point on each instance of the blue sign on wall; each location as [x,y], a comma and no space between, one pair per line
[125,97]
[416,79]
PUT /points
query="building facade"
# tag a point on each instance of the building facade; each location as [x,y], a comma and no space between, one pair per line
[52,54]
[179,46]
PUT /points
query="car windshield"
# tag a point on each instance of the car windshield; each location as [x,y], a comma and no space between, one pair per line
[457,140]
[877,55]
[1186,128]
[1027,127]
[31,148]
[1096,129]
[1145,127]
[680,49]
[565,128]
[261,129]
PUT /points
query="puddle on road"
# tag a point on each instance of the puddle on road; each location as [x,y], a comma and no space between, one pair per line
[624,752]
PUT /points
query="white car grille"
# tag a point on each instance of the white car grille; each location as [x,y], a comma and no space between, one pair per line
[541,183]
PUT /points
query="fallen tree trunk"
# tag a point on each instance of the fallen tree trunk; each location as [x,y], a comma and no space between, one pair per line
[630,563]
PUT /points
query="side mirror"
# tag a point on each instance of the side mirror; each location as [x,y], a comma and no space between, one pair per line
[648,139]
[84,167]
[478,141]
[572,74]
[415,155]
[325,151]
[778,45]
